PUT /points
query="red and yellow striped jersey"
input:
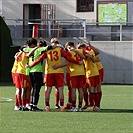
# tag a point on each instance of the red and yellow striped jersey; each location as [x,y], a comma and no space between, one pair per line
[15,66]
[91,68]
[22,61]
[76,69]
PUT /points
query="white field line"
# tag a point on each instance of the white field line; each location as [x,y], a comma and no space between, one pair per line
[3,99]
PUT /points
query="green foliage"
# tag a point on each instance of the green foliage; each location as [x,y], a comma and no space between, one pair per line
[116,115]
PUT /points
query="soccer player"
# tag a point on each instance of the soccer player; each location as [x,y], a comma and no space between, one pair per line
[13,72]
[36,72]
[69,103]
[101,72]
[56,88]
[54,77]
[77,78]
[75,54]
[92,77]
[22,80]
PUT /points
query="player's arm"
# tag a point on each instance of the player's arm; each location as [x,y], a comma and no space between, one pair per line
[41,58]
[61,65]
[92,58]
[67,56]
[61,46]
[92,47]
[32,51]
[97,59]
[18,54]
[48,48]
[80,54]
[45,49]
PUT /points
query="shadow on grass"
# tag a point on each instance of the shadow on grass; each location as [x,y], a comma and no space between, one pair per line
[101,111]
[116,111]
[6,84]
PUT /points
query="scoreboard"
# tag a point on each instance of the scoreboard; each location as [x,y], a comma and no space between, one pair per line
[111,13]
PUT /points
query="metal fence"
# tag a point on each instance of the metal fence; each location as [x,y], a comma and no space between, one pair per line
[72,28]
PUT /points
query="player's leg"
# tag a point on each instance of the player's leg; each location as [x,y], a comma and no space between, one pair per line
[101,73]
[80,99]
[47,98]
[61,97]
[99,94]
[16,100]
[69,103]
[74,85]
[59,83]
[57,98]
[91,99]
[38,82]
[73,97]
[23,97]
[86,96]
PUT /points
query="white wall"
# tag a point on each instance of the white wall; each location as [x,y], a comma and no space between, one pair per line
[13,9]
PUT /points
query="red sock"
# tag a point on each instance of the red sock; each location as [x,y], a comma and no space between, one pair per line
[28,101]
[45,93]
[57,97]
[91,99]
[61,102]
[47,102]
[73,103]
[69,96]
[80,104]
[20,102]
[24,102]
[96,99]
[16,100]
[99,98]
[86,98]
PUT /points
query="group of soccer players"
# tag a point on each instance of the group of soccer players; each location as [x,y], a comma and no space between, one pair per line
[84,73]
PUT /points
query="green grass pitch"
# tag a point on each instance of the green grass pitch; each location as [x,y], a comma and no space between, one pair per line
[116,115]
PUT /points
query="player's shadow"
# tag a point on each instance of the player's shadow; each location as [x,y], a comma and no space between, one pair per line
[102,111]
[116,111]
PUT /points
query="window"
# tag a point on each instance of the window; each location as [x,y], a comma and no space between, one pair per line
[85,5]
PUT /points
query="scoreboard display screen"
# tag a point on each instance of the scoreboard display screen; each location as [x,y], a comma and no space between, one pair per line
[111,12]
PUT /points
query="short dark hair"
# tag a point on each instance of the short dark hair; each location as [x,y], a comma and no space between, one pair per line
[80,45]
[22,47]
[42,43]
[31,41]
[54,41]
[69,44]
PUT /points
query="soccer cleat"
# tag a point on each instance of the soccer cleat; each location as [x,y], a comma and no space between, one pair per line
[62,110]
[16,108]
[47,109]
[73,109]
[68,106]
[34,108]
[29,107]
[95,108]
[20,108]
[25,109]
[89,109]
[85,107]
[79,110]
[57,106]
